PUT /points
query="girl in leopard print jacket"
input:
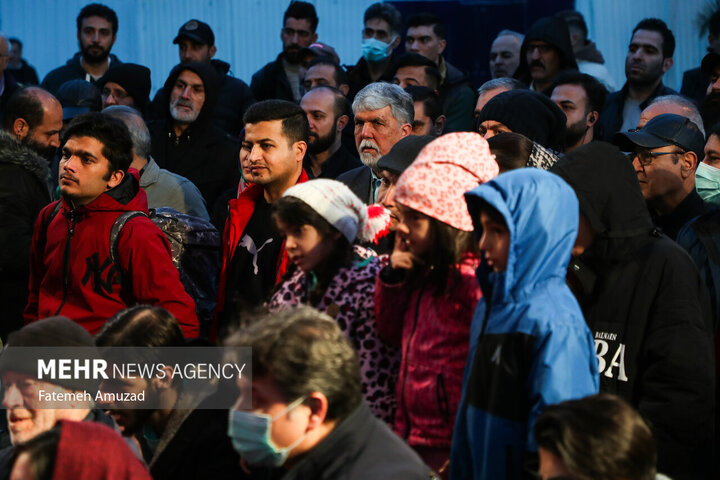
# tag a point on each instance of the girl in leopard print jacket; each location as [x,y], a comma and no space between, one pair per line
[319,220]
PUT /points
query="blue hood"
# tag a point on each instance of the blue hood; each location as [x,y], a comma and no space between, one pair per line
[542,214]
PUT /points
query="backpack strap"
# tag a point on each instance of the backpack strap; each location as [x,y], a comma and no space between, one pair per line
[117,227]
[49,217]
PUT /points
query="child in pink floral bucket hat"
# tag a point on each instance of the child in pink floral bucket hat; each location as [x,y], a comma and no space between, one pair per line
[425,298]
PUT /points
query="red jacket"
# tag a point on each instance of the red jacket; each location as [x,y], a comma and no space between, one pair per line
[434,332]
[240,211]
[72,274]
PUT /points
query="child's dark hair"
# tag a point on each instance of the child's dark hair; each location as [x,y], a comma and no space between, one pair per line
[447,247]
[296,213]
[490,211]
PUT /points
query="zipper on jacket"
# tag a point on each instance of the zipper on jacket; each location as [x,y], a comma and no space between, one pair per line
[406,435]
[66,259]
[442,398]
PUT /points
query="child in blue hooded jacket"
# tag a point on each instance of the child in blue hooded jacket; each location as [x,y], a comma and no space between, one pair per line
[529,344]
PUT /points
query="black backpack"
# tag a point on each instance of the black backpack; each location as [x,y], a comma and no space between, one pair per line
[195,245]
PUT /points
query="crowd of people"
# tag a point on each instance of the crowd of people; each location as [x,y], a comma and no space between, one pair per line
[436,280]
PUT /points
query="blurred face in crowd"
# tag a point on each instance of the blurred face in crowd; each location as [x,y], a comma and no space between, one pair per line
[114,94]
[25,415]
[712,151]
[656,109]
[272,159]
[187,97]
[504,56]
[44,139]
[543,60]
[661,171]
[424,125]
[490,128]
[130,421]
[573,101]
[85,173]
[485,97]
[376,131]
[305,246]
[192,51]
[96,39]
[405,76]
[644,64]
[714,86]
[494,242]
[422,40]
[4,54]
[413,231]
[386,196]
[319,106]
[15,53]
[296,34]
[320,74]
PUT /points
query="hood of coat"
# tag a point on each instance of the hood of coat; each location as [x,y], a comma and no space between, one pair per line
[541,212]
[609,194]
[13,152]
[552,30]
[211,82]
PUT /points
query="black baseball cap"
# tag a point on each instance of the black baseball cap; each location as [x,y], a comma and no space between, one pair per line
[403,153]
[197,31]
[661,131]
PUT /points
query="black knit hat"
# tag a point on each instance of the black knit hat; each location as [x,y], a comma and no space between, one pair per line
[135,79]
[529,113]
[49,332]
[78,97]
[403,153]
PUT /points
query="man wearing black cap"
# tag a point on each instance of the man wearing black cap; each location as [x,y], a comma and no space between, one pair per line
[196,43]
[127,84]
[545,52]
[186,142]
[97,27]
[650,55]
[280,79]
[666,152]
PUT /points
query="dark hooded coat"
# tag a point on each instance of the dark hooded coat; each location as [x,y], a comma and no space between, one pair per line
[24,191]
[203,153]
[72,70]
[529,113]
[552,30]
[647,308]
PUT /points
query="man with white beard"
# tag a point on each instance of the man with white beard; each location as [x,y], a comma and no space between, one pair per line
[186,142]
[383,115]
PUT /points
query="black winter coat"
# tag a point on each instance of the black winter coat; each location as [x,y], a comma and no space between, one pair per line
[648,309]
[203,153]
[271,82]
[24,191]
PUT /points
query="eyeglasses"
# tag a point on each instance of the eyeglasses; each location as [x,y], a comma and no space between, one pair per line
[290,32]
[645,157]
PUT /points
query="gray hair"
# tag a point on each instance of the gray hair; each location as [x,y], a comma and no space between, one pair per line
[693,114]
[380,95]
[139,133]
[504,82]
[511,33]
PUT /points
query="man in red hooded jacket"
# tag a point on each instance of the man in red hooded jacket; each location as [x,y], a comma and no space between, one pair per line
[254,258]
[72,272]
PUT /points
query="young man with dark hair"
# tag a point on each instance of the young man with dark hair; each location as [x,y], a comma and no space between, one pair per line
[325,71]
[306,378]
[97,27]
[73,271]
[194,436]
[254,257]
[380,37]
[427,36]
[649,56]
[429,119]
[280,79]
[581,98]
[18,67]
[415,69]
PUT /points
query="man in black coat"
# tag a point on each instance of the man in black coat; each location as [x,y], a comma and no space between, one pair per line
[186,142]
[647,308]
[196,43]
[97,27]
[280,79]
[27,143]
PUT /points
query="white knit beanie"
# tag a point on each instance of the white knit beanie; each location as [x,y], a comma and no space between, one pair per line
[337,204]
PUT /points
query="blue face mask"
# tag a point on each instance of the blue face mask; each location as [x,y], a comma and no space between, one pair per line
[707,183]
[375,51]
[250,435]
